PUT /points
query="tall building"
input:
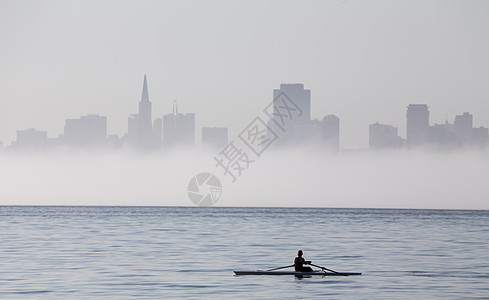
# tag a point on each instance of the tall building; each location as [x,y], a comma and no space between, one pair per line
[90,130]
[418,127]
[178,129]
[145,121]
[331,132]
[157,132]
[383,137]
[31,139]
[140,129]
[214,137]
[480,137]
[323,133]
[466,134]
[300,96]
[443,137]
[291,109]
[462,126]
[290,120]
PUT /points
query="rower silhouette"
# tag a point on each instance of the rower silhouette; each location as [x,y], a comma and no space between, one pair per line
[299,263]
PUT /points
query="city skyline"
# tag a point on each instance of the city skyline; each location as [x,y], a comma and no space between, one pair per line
[177,129]
[364,61]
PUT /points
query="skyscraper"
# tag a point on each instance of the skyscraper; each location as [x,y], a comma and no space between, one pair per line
[157,132]
[290,120]
[418,125]
[480,137]
[330,126]
[300,96]
[178,129]
[31,139]
[463,126]
[383,137]
[140,130]
[90,130]
[290,111]
[145,121]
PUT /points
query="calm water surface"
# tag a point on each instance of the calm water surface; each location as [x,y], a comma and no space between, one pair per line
[173,252]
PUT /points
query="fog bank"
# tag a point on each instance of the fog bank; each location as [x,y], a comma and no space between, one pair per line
[299,178]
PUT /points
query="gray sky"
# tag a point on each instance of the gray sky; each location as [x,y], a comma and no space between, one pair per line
[364,61]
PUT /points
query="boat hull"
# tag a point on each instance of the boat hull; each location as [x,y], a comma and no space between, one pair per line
[294,273]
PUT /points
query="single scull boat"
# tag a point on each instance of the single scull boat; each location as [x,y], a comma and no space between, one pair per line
[320,273]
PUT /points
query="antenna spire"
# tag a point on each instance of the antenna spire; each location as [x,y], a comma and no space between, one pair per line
[175,107]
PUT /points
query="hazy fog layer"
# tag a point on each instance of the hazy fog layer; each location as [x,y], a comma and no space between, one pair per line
[302,178]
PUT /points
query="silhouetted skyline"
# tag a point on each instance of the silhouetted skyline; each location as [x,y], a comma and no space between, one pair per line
[289,123]
[364,61]
[421,135]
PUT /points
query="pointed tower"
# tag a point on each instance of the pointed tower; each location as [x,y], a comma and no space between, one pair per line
[145,96]
[141,133]
[145,121]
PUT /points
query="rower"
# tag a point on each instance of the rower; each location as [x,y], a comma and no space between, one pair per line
[299,263]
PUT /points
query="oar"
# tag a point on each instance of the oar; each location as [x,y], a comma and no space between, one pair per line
[281,268]
[328,270]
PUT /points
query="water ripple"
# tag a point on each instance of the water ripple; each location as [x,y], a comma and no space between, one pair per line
[178,252]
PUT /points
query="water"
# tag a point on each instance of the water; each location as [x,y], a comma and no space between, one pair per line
[176,252]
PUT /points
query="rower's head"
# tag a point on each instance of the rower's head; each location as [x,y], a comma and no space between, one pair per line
[299,253]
